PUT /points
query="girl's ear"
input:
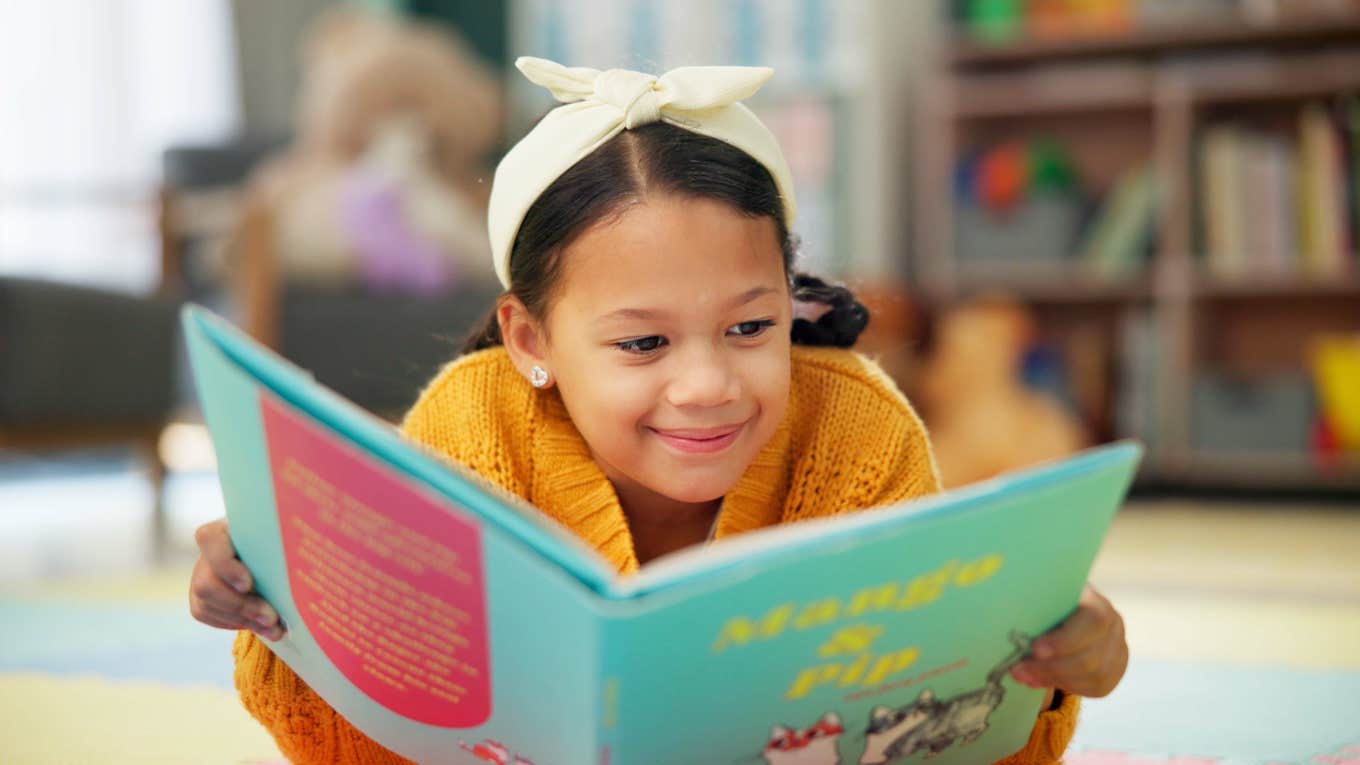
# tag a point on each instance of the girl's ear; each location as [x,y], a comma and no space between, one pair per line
[524,339]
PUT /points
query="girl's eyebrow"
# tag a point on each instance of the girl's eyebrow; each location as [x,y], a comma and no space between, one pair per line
[643,313]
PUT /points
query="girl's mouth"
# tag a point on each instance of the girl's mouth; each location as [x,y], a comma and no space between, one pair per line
[699,440]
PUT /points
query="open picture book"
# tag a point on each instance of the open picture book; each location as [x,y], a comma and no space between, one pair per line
[453,623]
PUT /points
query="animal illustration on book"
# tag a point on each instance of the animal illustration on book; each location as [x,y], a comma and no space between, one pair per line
[493,752]
[931,725]
[813,745]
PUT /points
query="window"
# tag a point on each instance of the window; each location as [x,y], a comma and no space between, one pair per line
[90,94]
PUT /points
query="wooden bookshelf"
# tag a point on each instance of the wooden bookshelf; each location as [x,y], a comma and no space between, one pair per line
[1147,96]
[1251,471]
[1057,290]
[1296,77]
[1219,35]
[1280,288]
[1030,94]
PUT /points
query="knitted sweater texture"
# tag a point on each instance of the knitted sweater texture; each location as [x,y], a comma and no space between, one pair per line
[848,440]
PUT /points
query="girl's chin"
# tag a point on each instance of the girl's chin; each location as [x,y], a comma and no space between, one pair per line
[697,498]
[694,493]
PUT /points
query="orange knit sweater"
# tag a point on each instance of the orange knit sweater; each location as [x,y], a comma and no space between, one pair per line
[848,440]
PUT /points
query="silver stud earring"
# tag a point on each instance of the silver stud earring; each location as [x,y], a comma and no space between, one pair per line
[538,377]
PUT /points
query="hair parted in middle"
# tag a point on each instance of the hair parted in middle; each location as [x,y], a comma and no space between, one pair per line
[659,158]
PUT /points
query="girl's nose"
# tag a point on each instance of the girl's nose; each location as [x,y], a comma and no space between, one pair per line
[703,380]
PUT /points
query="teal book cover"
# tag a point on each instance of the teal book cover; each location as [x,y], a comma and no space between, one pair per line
[453,623]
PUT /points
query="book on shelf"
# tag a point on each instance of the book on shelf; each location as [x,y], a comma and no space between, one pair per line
[1221,171]
[1348,117]
[1141,378]
[1118,238]
[1278,204]
[450,621]
[1323,239]
[1268,188]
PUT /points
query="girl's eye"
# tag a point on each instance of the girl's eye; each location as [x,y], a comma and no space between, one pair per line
[751,328]
[642,345]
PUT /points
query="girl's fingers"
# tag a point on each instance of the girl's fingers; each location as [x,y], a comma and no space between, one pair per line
[1024,674]
[208,592]
[1085,655]
[271,633]
[264,620]
[210,597]
[270,628]
[259,612]
[1068,670]
[1093,672]
[251,613]
[214,543]
[1093,620]
[221,621]
[220,587]
[237,622]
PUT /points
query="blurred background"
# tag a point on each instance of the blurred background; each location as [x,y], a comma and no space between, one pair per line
[1074,221]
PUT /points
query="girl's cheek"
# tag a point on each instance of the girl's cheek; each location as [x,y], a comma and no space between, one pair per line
[770,374]
[626,393]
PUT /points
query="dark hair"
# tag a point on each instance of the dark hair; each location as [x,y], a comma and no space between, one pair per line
[659,157]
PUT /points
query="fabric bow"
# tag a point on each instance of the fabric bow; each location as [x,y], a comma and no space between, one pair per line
[643,97]
[597,105]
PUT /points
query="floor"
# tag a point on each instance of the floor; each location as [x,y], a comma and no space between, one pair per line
[1244,627]
[1243,620]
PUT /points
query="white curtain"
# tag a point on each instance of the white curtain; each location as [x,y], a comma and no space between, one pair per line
[91,91]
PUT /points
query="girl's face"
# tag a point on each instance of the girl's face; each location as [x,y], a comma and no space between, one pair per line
[668,338]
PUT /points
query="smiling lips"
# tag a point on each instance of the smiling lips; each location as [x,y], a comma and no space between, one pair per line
[700,440]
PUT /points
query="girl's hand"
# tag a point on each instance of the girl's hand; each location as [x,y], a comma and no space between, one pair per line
[221,589]
[1085,655]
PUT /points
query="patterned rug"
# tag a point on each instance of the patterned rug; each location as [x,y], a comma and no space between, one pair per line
[118,672]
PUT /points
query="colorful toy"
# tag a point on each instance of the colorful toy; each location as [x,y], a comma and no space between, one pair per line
[1336,372]
[383,184]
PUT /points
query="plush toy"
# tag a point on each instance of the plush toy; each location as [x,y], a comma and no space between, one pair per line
[982,419]
[384,184]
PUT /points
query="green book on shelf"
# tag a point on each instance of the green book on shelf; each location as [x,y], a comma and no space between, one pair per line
[1120,232]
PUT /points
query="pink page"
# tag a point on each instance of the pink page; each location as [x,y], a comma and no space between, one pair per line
[387,581]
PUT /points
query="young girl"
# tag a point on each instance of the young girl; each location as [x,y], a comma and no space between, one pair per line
[646,379]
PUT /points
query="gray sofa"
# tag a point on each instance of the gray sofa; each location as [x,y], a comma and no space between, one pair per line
[76,359]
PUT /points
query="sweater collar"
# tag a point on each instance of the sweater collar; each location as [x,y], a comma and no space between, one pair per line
[568,485]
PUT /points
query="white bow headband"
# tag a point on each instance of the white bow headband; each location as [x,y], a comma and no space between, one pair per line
[597,105]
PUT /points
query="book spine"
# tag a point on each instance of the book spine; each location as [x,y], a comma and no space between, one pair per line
[1320,195]
[1256,202]
[608,731]
[1340,204]
[1279,211]
[608,711]
[1347,116]
[1222,199]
